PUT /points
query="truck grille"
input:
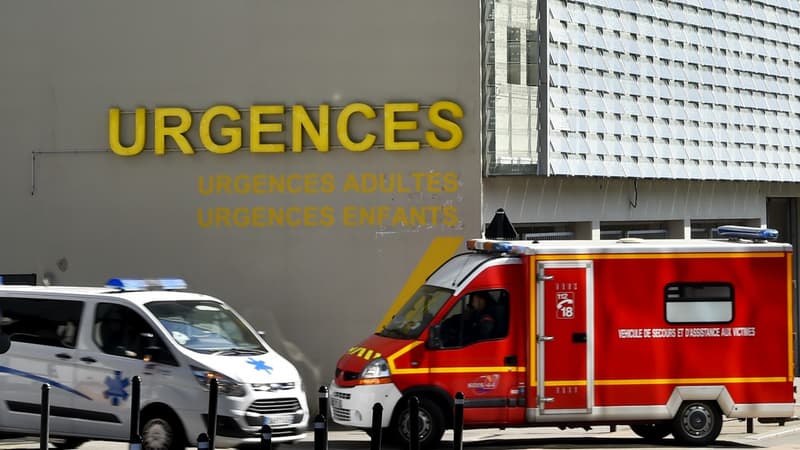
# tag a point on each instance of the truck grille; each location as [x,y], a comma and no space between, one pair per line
[274,406]
[342,395]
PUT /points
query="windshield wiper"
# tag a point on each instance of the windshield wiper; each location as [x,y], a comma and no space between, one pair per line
[239,351]
[391,332]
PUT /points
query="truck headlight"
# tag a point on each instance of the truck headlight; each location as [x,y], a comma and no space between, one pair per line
[375,372]
[225,385]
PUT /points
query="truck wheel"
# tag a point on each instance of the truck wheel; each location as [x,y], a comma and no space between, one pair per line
[652,432]
[697,423]
[431,424]
[162,430]
[67,443]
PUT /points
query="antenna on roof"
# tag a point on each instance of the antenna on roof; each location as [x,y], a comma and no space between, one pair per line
[500,227]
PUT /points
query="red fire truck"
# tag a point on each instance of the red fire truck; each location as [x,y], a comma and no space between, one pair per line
[667,336]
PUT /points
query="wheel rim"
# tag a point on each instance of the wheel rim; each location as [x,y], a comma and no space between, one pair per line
[157,435]
[425,424]
[698,421]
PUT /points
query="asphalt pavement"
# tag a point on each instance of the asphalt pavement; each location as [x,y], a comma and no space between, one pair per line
[734,435]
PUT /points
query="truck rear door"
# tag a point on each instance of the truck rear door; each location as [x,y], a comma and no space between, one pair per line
[564,336]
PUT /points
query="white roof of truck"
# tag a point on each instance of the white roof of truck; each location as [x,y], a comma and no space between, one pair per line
[627,245]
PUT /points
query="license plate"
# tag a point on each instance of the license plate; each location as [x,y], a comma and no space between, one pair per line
[280,419]
[336,403]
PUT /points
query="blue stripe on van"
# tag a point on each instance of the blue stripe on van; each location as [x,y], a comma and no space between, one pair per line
[34,377]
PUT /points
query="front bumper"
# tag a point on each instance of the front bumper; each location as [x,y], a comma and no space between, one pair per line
[352,406]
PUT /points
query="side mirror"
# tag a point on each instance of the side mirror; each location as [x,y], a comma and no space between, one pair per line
[5,342]
[434,337]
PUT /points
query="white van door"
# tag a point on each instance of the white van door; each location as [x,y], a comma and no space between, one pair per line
[43,336]
[109,359]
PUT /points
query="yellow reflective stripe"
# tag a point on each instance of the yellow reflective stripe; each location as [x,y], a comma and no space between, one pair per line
[690,381]
[594,256]
[440,250]
[566,383]
[390,359]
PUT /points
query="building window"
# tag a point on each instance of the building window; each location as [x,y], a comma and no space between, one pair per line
[514,57]
[643,230]
[532,58]
[698,302]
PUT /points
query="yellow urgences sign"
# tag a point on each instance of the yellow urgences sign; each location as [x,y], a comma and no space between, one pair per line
[266,124]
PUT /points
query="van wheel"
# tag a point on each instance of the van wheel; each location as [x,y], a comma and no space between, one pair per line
[67,443]
[652,432]
[431,423]
[697,423]
[162,431]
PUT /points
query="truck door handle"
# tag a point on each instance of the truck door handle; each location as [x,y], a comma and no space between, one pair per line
[63,356]
[579,338]
[541,338]
[88,359]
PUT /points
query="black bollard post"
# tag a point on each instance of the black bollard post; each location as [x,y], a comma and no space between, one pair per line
[458,422]
[202,442]
[413,423]
[377,430]
[212,412]
[323,400]
[266,435]
[44,430]
[320,433]
[135,440]
[749,425]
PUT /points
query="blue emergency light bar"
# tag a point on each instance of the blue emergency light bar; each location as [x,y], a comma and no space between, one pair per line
[1,279]
[740,232]
[141,284]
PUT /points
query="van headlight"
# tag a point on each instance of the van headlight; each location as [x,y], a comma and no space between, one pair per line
[376,372]
[225,385]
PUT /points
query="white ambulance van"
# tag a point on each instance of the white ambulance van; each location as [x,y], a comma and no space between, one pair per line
[88,343]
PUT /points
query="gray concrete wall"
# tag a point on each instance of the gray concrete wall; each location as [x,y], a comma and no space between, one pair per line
[78,213]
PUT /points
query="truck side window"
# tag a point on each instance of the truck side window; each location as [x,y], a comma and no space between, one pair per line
[477,316]
[41,321]
[698,302]
[120,331]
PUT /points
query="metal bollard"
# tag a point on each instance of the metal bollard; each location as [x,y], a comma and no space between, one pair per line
[266,435]
[212,412]
[202,442]
[377,430]
[320,433]
[44,430]
[749,425]
[413,423]
[135,440]
[323,400]
[458,421]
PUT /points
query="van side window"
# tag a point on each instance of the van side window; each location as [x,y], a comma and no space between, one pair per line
[41,321]
[477,316]
[121,331]
[698,302]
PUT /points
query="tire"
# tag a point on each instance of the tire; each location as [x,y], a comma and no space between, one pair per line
[68,443]
[431,424]
[697,423]
[162,431]
[652,432]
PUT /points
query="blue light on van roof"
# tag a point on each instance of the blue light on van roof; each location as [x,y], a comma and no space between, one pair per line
[502,247]
[1,279]
[141,284]
[740,232]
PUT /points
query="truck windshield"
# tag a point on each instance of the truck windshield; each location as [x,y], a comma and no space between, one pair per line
[415,315]
[206,327]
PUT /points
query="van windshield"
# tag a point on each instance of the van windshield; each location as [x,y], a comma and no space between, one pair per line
[417,313]
[206,327]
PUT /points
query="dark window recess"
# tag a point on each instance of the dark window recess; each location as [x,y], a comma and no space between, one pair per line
[41,321]
[514,56]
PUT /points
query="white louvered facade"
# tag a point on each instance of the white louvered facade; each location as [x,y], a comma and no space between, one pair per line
[694,90]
